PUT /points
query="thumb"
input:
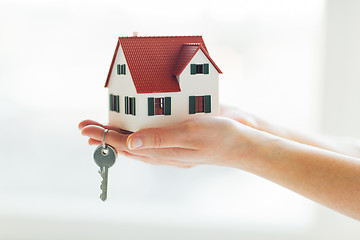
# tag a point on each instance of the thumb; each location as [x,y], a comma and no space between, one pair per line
[156,138]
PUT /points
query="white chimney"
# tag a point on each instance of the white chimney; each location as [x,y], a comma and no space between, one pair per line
[135,34]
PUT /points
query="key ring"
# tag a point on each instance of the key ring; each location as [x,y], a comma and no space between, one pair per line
[105,132]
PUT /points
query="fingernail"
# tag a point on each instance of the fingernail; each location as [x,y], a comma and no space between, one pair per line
[135,143]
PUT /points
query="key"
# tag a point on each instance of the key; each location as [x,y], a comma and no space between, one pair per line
[104,157]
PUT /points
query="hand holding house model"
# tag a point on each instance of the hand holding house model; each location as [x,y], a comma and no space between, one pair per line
[157,81]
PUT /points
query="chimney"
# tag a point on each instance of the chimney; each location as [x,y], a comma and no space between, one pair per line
[135,34]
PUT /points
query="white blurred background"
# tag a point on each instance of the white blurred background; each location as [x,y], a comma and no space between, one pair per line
[294,62]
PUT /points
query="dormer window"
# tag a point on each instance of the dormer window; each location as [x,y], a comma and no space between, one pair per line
[121,69]
[199,68]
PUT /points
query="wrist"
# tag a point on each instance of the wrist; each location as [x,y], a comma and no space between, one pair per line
[271,128]
[262,149]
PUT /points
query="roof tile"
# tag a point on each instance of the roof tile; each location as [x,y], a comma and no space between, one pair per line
[154,61]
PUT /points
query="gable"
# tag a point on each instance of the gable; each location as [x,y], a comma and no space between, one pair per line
[152,61]
[187,53]
[120,80]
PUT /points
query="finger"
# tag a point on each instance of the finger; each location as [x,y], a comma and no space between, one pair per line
[147,159]
[89,122]
[112,138]
[141,158]
[185,156]
[94,141]
[98,143]
[144,158]
[158,162]
[98,132]
[165,137]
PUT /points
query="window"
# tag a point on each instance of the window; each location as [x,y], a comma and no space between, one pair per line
[199,104]
[121,69]
[114,103]
[199,68]
[159,106]
[130,105]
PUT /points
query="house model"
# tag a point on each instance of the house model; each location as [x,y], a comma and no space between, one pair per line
[157,81]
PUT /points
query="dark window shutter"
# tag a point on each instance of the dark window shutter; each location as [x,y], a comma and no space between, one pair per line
[126,105]
[118,69]
[193,69]
[191,104]
[206,68]
[132,105]
[167,105]
[150,106]
[207,104]
[117,103]
[124,69]
[111,102]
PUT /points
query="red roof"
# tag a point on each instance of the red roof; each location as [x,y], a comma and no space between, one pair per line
[154,62]
[188,51]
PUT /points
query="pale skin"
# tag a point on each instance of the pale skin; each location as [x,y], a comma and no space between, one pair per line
[326,170]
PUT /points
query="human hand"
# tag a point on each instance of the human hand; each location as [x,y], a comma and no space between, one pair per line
[240,116]
[255,122]
[203,140]
[117,138]
[206,140]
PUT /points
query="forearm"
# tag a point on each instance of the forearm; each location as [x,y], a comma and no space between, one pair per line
[343,145]
[328,178]
[347,146]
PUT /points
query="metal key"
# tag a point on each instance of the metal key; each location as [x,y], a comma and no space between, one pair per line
[104,157]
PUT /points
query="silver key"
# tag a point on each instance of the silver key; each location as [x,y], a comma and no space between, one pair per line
[104,157]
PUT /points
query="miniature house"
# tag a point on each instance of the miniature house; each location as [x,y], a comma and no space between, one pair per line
[157,81]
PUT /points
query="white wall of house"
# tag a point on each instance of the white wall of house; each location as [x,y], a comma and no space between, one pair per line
[201,84]
[160,120]
[191,85]
[121,85]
